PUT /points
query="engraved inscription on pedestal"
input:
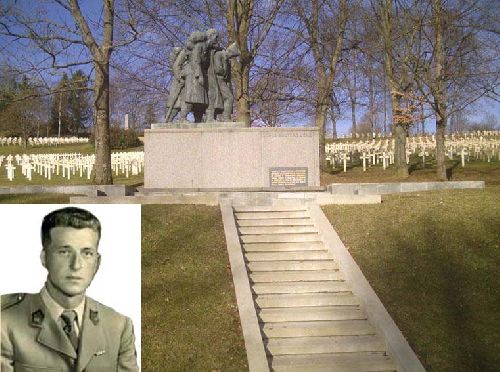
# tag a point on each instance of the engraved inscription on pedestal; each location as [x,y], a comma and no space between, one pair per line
[287,134]
[288,176]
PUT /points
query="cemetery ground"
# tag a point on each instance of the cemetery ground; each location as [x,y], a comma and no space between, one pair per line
[474,170]
[190,318]
[433,260]
[432,257]
[39,179]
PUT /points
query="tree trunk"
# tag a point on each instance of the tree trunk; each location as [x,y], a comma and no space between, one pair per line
[59,118]
[400,151]
[103,174]
[320,122]
[385,106]
[371,99]
[242,95]
[399,132]
[398,124]
[101,56]
[353,115]
[422,119]
[333,118]
[439,91]
[440,147]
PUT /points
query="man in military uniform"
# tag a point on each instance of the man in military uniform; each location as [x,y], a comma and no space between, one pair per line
[61,329]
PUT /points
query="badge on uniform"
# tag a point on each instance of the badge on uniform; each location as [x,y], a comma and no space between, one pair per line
[37,317]
[94,317]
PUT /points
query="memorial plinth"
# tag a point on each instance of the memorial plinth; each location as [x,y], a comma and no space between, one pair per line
[225,156]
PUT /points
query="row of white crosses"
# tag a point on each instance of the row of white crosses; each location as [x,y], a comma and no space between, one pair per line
[42,141]
[70,164]
[374,151]
[484,145]
[127,162]
[366,135]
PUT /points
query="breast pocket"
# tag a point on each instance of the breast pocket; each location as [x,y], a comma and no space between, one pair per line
[19,367]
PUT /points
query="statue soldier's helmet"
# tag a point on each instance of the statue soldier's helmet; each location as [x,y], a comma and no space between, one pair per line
[233,50]
[197,36]
[212,34]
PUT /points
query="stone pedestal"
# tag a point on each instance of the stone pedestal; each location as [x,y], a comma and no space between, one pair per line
[222,156]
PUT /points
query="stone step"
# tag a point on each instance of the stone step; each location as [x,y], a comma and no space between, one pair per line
[284,247]
[288,256]
[292,265]
[277,222]
[269,208]
[261,230]
[267,215]
[321,345]
[318,328]
[307,314]
[339,362]
[279,238]
[300,287]
[295,276]
[306,299]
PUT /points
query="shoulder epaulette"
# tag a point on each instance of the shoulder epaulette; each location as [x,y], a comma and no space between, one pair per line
[10,300]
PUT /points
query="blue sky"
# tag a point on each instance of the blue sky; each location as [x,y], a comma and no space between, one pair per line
[92,9]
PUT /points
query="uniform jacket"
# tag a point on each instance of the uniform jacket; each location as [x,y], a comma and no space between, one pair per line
[33,341]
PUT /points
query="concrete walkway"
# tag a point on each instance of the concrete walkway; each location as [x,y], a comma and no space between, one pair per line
[307,314]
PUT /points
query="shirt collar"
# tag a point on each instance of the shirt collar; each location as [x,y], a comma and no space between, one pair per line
[55,310]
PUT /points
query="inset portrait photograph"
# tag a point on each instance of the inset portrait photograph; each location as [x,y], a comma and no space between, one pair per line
[70,280]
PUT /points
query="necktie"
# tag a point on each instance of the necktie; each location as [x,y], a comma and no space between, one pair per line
[68,317]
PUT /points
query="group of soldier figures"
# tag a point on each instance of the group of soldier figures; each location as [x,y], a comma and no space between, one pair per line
[201,81]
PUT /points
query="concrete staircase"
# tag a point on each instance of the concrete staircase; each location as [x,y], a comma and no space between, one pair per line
[308,316]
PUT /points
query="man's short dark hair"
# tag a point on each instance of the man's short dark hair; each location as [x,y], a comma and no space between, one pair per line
[69,217]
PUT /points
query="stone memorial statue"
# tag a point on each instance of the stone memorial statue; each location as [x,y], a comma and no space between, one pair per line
[201,81]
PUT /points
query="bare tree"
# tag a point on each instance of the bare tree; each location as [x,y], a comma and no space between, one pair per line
[325,25]
[60,42]
[398,79]
[249,29]
[456,61]
[101,55]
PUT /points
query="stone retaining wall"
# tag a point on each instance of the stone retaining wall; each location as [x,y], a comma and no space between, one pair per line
[89,190]
[397,187]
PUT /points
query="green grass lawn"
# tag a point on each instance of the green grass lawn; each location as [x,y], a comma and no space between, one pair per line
[190,319]
[433,259]
[473,171]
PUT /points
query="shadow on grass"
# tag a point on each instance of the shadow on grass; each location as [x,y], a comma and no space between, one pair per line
[190,319]
[437,274]
[446,298]
[412,168]
[450,169]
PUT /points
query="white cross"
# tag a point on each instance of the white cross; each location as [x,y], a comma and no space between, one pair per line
[463,154]
[385,157]
[365,157]
[10,171]
[423,154]
[344,157]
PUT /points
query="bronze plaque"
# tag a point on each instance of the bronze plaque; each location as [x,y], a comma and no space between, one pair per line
[288,176]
